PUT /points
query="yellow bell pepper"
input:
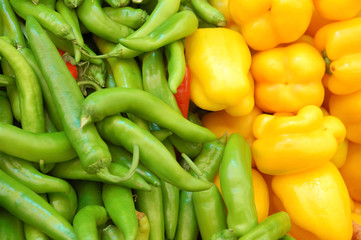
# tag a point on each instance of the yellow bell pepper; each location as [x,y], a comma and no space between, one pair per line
[356,207]
[265,24]
[317,201]
[276,205]
[261,195]
[348,109]
[291,144]
[317,21]
[356,218]
[350,171]
[219,61]
[220,122]
[340,156]
[288,78]
[340,43]
[337,9]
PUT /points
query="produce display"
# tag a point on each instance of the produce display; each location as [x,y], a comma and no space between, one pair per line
[180,119]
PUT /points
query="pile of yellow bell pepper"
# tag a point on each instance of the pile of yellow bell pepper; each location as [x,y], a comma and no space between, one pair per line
[286,75]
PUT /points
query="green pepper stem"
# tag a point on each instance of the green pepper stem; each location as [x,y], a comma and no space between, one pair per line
[195,169]
[135,161]
[104,174]
[327,62]
[91,83]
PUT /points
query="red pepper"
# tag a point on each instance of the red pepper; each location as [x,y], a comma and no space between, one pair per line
[183,94]
[72,68]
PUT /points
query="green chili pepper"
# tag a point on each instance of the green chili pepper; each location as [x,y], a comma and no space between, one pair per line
[10,24]
[49,101]
[49,147]
[25,172]
[119,203]
[65,203]
[170,196]
[31,103]
[88,193]
[161,12]
[70,16]
[109,79]
[161,133]
[145,105]
[273,227]
[112,232]
[126,73]
[49,124]
[91,14]
[123,157]
[210,212]
[128,16]
[143,226]
[151,203]
[155,82]
[47,17]
[208,205]
[187,228]
[208,13]
[11,228]
[12,91]
[91,149]
[176,64]
[191,149]
[88,219]
[15,197]
[235,174]
[225,234]
[178,26]
[154,78]
[32,233]
[153,154]
[6,115]
[49,3]
[117,3]
[74,170]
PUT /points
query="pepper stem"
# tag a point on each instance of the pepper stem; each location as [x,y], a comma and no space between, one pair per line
[195,169]
[327,62]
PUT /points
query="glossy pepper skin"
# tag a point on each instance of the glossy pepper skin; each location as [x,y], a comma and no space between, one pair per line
[307,198]
[221,80]
[349,171]
[220,122]
[265,24]
[339,42]
[288,144]
[347,109]
[261,194]
[337,9]
[235,174]
[276,91]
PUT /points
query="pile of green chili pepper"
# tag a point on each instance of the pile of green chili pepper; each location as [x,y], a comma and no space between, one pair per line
[95,141]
